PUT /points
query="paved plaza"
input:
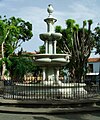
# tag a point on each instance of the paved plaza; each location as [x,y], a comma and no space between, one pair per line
[88,116]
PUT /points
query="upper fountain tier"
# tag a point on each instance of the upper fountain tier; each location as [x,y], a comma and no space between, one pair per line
[50,38]
[50,58]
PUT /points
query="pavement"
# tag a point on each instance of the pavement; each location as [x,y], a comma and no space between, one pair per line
[72,116]
[49,107]
[51,111]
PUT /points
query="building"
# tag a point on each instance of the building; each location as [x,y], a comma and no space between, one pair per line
[93,73]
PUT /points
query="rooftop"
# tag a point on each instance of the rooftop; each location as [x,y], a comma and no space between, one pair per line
[94,60]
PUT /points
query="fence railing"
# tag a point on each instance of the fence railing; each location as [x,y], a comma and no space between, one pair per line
[39,89]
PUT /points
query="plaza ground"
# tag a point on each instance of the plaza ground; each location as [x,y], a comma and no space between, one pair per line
[78,116]
[88,109]
[49,107]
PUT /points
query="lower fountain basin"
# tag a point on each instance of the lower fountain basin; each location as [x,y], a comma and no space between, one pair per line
[43,60]
[59,60]
[51,59]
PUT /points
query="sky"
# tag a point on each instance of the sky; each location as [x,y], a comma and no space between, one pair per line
[35,11]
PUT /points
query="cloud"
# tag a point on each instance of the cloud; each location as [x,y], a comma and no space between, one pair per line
[79,12]
[36,13]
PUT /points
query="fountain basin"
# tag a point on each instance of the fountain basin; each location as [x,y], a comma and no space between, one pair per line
[52,56]
[45,36]
[50,36]
[57,59]
[56,36]
[43,60]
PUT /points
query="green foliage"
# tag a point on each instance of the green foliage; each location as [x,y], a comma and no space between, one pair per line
[20,66]
[90,22]
[78,42]
[84,23]
[70,23]
[42,49]
[97,38]
[13,32]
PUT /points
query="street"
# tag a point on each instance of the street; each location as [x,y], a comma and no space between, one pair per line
[69,116]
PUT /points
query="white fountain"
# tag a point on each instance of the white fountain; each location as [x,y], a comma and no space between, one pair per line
[50,62]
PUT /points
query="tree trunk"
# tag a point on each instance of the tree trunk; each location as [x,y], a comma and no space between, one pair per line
[3,63]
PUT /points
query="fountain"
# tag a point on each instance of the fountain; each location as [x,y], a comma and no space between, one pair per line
[50,62]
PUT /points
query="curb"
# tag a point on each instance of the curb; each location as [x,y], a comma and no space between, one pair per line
[51,111]
[49,106]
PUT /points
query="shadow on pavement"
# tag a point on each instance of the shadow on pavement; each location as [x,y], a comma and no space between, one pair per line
[97,114]
[80,116]
[40,118]
[71,117]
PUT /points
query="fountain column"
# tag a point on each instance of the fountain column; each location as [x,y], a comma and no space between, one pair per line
[46,46]
[55,42]
[44,73]
[57,74]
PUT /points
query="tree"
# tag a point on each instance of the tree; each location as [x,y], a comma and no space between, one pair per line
[13,32]
[97,38]
[20,65]
[42,49]
[78,42]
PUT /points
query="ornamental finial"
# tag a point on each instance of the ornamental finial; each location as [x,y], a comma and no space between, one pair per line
[50,9]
